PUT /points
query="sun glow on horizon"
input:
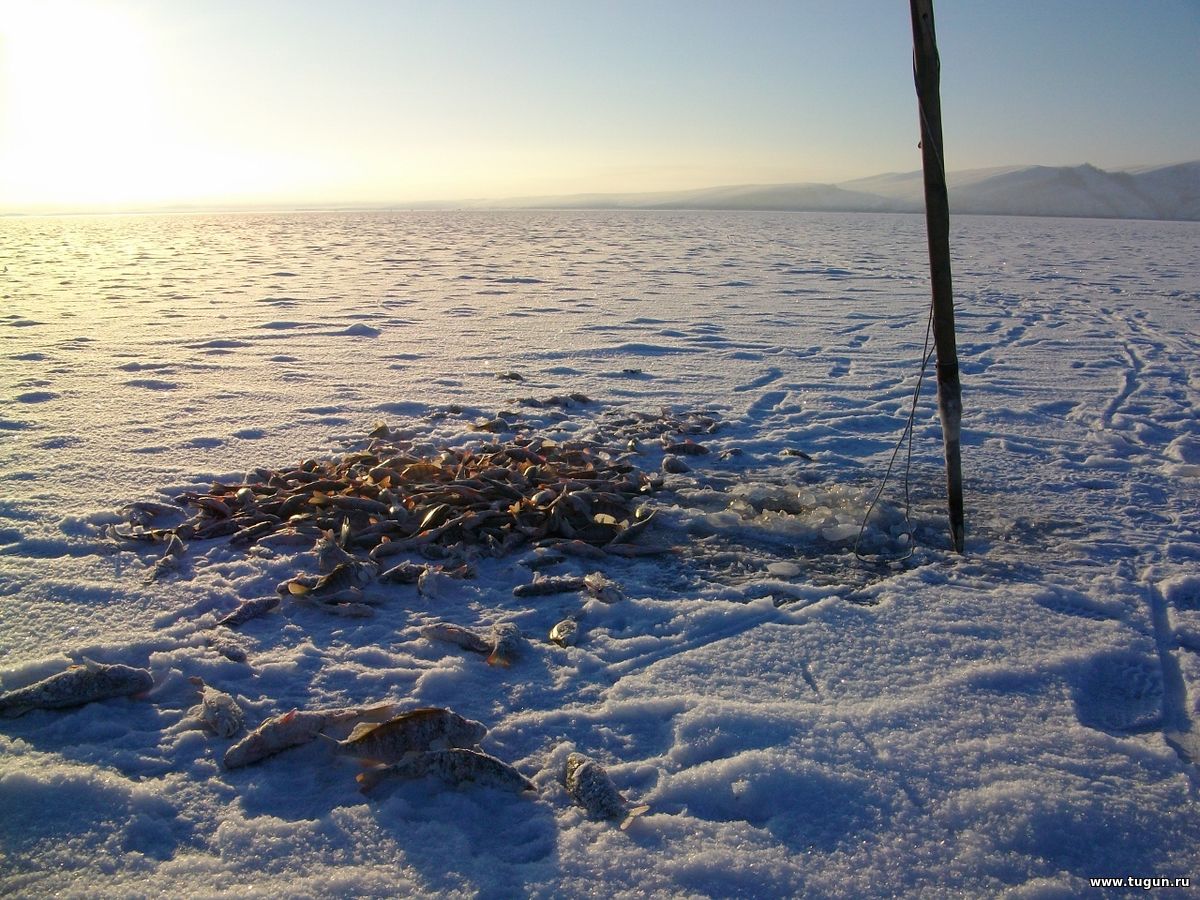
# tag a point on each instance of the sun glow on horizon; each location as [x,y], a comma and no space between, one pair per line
[87,118]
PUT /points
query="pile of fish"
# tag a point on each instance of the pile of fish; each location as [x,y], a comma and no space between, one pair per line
[385,500]
[390,499]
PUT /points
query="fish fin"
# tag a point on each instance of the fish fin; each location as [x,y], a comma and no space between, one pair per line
[368,779]
[362,728]
[288,716]
[495,660]
[633,814]
[197,681]
[336,743]
[11,712]
[378,712]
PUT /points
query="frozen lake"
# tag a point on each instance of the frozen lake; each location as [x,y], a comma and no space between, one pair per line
[1020,718]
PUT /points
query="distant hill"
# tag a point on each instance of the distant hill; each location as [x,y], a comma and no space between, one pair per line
[1162,192]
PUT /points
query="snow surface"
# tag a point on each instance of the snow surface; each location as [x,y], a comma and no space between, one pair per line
[1011,721]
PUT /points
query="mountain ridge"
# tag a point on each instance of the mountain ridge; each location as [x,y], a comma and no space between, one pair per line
[1167,192]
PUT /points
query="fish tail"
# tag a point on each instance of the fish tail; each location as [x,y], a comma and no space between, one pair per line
[633,814]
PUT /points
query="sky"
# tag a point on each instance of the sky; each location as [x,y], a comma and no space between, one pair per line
[132,104]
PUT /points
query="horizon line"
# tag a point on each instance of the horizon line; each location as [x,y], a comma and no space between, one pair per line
[528,201]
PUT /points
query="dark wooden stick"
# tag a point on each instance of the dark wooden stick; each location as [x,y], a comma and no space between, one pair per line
[927,73]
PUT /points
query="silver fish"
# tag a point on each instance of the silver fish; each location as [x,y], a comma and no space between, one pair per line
[217,710]
[226,648]
[590,786]
[247,610]
[602,588]
[541,558]
[343,583]
[456,634]
[76,686]
[340,604]
[506,643]
[295,728]
[549,584]
[453,766]
[431,728]
[405,573]
[434,582]
[290,538]
[330,554]
[144,512]
[565,633]
[575,548]
[169,561]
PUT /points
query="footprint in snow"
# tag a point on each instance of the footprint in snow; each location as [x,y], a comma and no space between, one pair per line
[1119,691]
[152,384]
[36,397]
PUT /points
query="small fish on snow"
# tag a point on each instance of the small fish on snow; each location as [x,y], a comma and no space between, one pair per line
[506,643]
[435,582]
[590,786]
[549,584]
[456,634]
[247,610]
[217,710]
[169,561]
[454,766]
[430,728]
[344,582]
[330,554]
[565,633]
[294,728]
[602,588]
[405,573]
[76,686]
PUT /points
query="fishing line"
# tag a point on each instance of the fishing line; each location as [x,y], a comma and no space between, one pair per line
[906,434]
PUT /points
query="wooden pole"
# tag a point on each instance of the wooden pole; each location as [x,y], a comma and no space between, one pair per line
[927,73]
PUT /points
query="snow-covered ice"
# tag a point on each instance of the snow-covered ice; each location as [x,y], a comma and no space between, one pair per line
[1017,719]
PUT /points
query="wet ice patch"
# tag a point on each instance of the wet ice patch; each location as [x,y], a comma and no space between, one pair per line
[811,513]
